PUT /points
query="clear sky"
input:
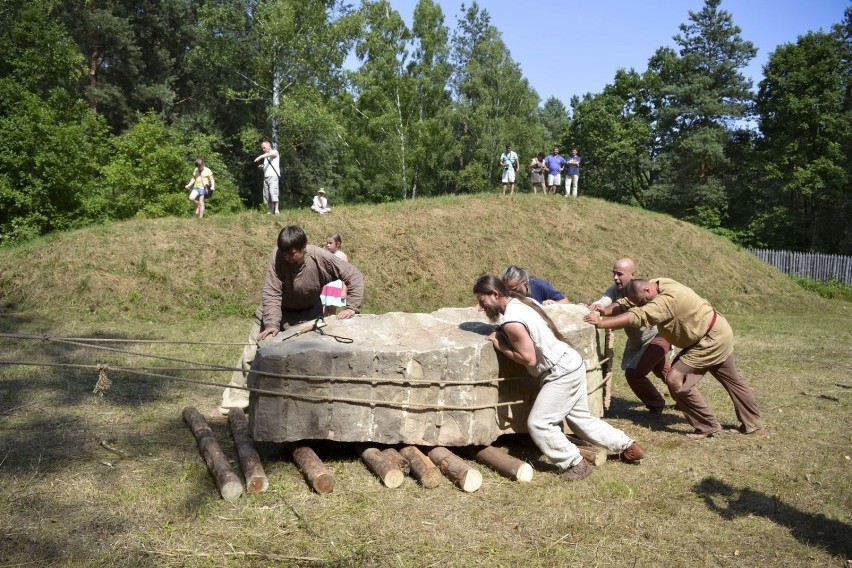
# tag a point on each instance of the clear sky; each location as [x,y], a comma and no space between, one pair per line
[567,48]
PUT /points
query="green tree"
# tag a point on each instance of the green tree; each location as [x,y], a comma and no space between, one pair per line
[385,101]
[494,103]
[805,108]
[134,53]
[401,130]
[616,131]
[704,92]
[48,139]
[434,144]
[554,117]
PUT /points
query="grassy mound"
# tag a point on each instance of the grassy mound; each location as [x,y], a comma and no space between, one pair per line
[416,256]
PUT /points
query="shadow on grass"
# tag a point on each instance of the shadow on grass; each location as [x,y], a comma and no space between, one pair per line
[635,411]
[811,529]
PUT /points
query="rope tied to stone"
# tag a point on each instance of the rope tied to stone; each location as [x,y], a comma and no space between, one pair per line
[104,383]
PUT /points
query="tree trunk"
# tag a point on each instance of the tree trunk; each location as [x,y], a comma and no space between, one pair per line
[315,472]
[595,455]
[466,477]
[397,458]
[504,464]
[383,467]
[422,467]
[226,480]
[256,480]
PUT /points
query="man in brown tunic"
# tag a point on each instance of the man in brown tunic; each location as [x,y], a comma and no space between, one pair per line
[292,284]
[706,340]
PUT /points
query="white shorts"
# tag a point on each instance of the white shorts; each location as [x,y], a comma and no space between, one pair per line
[508,175]
[554,179]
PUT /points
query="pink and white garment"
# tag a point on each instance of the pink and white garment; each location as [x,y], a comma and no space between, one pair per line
[333,294]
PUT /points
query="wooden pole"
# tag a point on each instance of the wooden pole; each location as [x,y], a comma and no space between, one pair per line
[467,478]
[226,480]
[395,457]
[595,455]
[319,478]
[250,463]
[422,467]
[504,464]
[383,467]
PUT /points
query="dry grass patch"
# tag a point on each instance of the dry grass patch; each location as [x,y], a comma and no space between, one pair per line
[89,481]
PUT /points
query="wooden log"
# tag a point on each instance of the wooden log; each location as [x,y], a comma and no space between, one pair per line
[315,472]
[422,467]
[256,480]
[226,480]
[595,455]
[383,467]
[467,478]
[504,464]
[397,458]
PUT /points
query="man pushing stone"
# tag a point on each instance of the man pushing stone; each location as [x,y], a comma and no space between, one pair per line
[706,340]
[295,276]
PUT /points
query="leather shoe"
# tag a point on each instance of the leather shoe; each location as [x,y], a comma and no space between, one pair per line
[578,471]
[632,454]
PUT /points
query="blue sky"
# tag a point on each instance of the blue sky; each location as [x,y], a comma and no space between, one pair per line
[568,48]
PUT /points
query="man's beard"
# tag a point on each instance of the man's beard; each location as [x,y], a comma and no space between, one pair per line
[492,313]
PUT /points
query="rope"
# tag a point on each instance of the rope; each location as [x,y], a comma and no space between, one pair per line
[300,396]
[111,340]
[318,378]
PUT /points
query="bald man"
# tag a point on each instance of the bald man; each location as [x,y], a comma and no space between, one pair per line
[646,350]
[706,341]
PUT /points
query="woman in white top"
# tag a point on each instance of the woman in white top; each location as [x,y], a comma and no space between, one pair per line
[202,184]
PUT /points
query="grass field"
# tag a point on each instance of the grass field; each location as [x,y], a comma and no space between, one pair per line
[118,481]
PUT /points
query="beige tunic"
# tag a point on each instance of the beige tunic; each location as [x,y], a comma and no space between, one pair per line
[289,290]
[683,317]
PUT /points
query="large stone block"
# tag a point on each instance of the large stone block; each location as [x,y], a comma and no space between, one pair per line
[430,379]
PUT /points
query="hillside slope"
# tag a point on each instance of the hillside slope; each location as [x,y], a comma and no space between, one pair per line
[416,256]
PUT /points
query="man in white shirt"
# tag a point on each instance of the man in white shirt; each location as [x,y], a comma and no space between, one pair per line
[271,173]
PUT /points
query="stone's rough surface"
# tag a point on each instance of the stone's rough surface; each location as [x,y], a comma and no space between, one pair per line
[407,355]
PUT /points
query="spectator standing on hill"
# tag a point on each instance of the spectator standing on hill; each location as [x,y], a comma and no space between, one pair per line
[333,294]
[271,175]
[572,173]
[646,350]
[706,340]
[292,284]
[518,280]
[509,161]
[527,336]
[555,164]
[202,184]
[320,204]
[537,173]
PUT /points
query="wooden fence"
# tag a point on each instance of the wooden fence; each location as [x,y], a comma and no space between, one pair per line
[812,265]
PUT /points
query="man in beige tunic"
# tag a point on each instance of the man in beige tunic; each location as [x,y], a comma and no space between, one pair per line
[294,278]
[706,340]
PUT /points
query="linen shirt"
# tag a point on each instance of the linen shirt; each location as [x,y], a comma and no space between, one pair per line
[638,338]
[548,349]
[296,289]
[683,318]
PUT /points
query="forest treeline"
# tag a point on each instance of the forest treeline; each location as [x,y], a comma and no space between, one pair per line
[105,104]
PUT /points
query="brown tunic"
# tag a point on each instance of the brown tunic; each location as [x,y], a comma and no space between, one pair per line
[292,294]
[683,318]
